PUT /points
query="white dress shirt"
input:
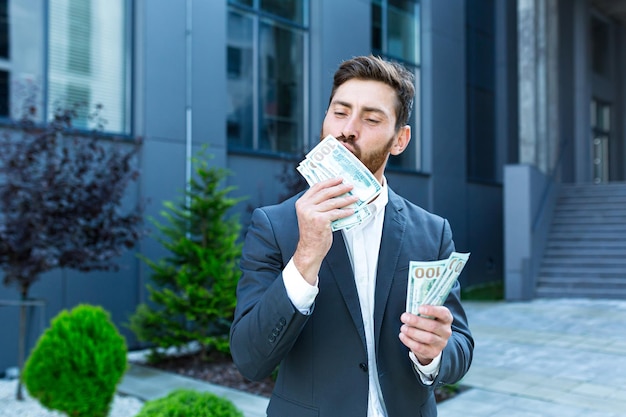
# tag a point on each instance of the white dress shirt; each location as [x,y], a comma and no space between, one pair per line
[363,255]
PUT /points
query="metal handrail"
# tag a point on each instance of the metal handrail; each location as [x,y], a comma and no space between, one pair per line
[564,144]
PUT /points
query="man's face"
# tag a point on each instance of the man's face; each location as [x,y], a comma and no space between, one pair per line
[362,116]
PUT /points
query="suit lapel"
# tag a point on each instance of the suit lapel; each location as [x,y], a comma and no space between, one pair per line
[339,267]
[338,263]
[394,226]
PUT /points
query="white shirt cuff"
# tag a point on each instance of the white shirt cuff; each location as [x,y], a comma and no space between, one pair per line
[300,292]
[429,372]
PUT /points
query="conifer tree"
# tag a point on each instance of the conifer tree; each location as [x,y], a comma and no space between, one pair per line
[192,294]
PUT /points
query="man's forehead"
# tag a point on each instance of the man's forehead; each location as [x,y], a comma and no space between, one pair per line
[371,86]
[367,94]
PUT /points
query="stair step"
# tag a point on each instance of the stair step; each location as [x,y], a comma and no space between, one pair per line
[581,190]
[609,197]
[585,254]
[589,210]
[584,266]
[575,197]
[574,223]
[580,293]
[575,235]
[597,274]
[581,281]
[585,227]
[585,248]
[597,254]
[575,260]
[589,214]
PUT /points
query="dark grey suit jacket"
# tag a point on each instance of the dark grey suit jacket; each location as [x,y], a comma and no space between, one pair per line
[322,356]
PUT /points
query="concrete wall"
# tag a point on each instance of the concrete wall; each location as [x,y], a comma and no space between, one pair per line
[529,200]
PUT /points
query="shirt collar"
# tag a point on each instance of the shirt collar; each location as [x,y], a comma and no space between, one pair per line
[377,208]
[381,201]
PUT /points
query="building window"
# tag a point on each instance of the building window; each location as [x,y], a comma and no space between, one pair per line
[88,64]
[266,53]
[480,66]
[601,135]
[4,94]
[600,50]
[4,29]
[396,36]
[4,59]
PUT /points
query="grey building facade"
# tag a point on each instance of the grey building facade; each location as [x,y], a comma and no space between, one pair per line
[251,79]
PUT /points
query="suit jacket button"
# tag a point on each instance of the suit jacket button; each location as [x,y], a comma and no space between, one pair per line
[282,321]
[272,339]
[363,366]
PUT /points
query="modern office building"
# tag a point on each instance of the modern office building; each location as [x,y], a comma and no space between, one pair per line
[506,90]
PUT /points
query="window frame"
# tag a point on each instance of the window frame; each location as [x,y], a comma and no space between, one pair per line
[5,62]
[415,162]
[128,59]
[259,17]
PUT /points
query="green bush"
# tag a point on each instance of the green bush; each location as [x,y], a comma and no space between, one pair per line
[189,403]
[489,291]
[77,363]
[192,295]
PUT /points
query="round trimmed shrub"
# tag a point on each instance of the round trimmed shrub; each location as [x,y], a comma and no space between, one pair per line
[188,403]
[77,363]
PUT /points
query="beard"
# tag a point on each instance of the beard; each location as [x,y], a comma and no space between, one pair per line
[373,160]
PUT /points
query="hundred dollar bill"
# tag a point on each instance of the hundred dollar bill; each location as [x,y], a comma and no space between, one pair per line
[330,159]
[422,276]
[334,160]
[312,176]
[439,292]
[308,170]
[430,282]
[354,219]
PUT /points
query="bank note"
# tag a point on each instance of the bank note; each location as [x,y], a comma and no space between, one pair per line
[422,276]
[330,159]
[351,221]
[430,282]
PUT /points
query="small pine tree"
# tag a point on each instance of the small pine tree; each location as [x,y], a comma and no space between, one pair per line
[193,297]
[77,363]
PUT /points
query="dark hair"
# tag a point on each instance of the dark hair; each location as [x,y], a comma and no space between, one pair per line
[374,68]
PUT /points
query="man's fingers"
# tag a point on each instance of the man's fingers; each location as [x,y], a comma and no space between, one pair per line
[329,198]
[328,189]
[440,313]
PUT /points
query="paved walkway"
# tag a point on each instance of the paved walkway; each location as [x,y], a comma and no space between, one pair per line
[545,358]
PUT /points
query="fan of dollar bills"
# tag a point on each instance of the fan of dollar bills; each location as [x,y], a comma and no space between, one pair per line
[430,282]
[330,159]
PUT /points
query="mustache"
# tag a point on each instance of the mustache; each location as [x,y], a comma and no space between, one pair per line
[354,148]
[343,138]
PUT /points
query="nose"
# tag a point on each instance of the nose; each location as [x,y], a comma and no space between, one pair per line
[350,129]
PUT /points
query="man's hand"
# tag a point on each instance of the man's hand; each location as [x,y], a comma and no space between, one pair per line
[426,337]
[321,204]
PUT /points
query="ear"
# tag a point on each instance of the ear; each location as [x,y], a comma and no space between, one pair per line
[402,141]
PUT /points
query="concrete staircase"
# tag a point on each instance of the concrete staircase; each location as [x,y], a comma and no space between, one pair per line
[586,250]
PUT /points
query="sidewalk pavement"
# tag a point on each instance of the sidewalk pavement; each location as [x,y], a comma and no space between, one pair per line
[543,358]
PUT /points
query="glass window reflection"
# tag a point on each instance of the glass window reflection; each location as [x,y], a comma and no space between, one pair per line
[265,66]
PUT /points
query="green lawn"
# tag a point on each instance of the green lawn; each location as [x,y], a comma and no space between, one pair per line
[491,291]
